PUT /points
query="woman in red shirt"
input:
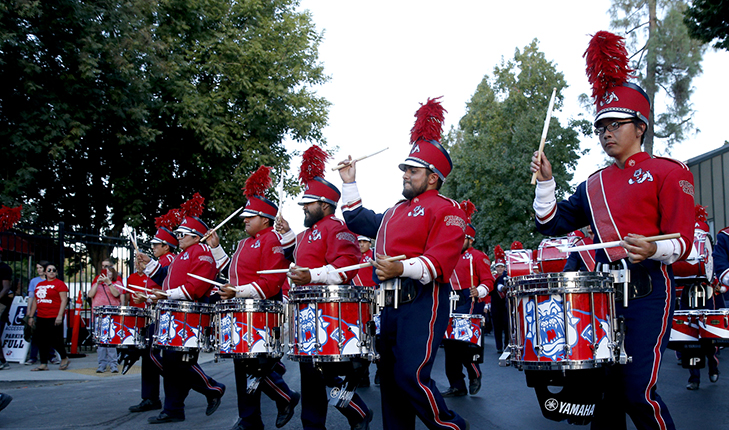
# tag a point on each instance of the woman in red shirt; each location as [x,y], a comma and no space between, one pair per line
[51,297]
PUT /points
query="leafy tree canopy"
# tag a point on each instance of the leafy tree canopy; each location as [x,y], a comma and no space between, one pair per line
[494,142]
[116,111]
[708,21]
[666,59]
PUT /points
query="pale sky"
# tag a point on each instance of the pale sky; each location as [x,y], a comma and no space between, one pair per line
[386,57]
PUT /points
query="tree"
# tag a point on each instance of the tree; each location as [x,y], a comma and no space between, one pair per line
[708,20]
[116,111]
[666,60]
[494,142]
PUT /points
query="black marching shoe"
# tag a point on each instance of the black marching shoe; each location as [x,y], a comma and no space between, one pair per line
[214,402]
[146,405]
[454,392]
[163,418]
[285,414]
[713,377]
[474,386]
[692,386]
[365,423]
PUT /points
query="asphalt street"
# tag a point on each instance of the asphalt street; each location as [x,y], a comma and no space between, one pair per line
[80,398]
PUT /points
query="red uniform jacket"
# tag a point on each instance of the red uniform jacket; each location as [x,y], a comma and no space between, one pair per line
[197,259]
[163,261]
[472,262]
[328,242]
[261,252]
[430,227]
[364,275]
[139,281]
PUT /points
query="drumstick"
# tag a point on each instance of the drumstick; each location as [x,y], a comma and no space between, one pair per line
[211,231]
[267,272]
[280,194]
[616,243]
[544,131]
[344,164]
[209,281]
[150,290]
[133,237]
[368,264]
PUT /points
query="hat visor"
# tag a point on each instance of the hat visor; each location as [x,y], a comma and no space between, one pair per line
[499,264]
[248,214]
[186,230]
[411,163]
[309,199]
[612,115]
[155,240]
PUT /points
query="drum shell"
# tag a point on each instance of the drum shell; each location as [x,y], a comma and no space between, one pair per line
[120,326]
[549,257]
[329,323]
[182,326]
[520,262]
[556,318]
[465,328]
[685,327]
[248,328]
[714,326]
[699,263]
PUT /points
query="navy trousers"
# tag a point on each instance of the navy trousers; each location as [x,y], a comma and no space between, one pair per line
[180,377]
[411,335]
[249,405]
[631,387]
[314,398]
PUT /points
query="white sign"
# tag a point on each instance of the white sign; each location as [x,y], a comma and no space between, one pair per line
[14,347]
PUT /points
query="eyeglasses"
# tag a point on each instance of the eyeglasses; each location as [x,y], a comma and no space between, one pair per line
[51,270]
[610,127]
[180,235]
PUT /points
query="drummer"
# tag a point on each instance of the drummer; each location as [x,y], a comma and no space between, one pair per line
[325,245]
[471,281]
[365,278]
[181,371]
[429,230]
[260,251]
[635,197]
[163,243]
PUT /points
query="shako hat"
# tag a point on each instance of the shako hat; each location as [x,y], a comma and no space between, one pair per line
[426,150]
[311,175]
[608,72]
[255,189]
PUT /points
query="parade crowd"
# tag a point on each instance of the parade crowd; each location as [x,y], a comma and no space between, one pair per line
[387,290]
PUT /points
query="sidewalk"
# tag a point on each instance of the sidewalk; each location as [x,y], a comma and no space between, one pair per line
[80,369]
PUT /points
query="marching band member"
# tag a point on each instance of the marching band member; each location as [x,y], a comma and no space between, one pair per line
[499,310]
[364,276]
[637,196]
[260,251]
[181,371]
[429,230]
[163,242]
[325,245]
[471,281]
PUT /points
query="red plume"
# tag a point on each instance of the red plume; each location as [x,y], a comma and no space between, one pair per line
[517,245]
[607,63]
[701,213]
[469,208]
[193,207]
[9,216]
[429,122]
[499,253]
[170,220]
[313,163]
[258,182]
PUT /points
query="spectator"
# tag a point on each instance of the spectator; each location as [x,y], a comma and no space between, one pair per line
[51,298]
[40,269]
[105,292]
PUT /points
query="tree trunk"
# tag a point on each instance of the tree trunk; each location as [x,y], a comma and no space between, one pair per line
[650,75]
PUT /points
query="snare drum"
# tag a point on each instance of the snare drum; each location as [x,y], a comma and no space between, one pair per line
[182,326]
[562,321]
[120,326]
[247,328]
[685,327]
[520,262]
[714,326]
[331,323]
[465,328]
[549,257]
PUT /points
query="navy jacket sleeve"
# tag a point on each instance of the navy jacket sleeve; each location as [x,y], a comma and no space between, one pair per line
[363,221]
[569,215]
